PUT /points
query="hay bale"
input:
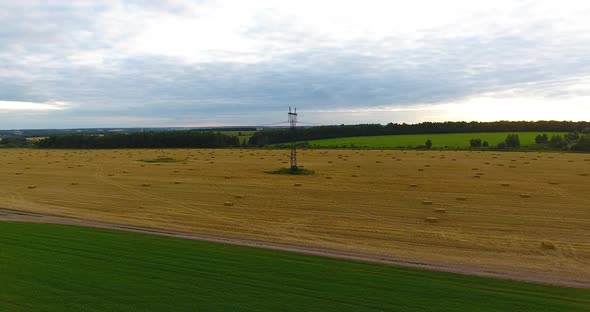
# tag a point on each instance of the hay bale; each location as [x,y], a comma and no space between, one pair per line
[145,184]
[525,195]
[32,187]
[505,184]
[297,184]
[548,245]
[583,174]
[354,176]
[426,202]
[328,178]
[413,185]
[74,183]
[229,204]
[477,176]
[420,169]
[431,220]
[239,196]
[176,182]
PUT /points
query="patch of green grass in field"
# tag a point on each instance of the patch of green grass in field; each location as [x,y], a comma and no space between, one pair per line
[299,171]
[445,140]
[62,268]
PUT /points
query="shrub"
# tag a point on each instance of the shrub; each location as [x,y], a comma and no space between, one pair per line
[428,144]
[502,145]
[475,143]
[485,144]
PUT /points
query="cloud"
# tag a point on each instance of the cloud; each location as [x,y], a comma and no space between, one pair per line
[31,106]
[228,62]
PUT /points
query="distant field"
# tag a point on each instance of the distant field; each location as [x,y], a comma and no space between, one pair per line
[447,140]
[244,136]
[63,268]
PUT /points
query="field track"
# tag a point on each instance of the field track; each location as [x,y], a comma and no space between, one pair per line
[521,215]
[21,216]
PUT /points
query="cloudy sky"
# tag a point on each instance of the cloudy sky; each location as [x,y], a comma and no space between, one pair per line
[231,62]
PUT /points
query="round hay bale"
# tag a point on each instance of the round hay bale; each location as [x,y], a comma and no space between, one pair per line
[426,202]
[553,182]
[354,176]
[239,196]
[74,183]
[413,185]
[328,178]
[477,176]
[548,245]
[297,184]
[505,184]
[431,220]
[228,204]
[440,210]
[525,195]
[145,184]
[176,182]
[583,174]
[420,169]
[32,187]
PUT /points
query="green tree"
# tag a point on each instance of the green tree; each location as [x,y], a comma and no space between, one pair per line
[428,144]
[541,139]
[512,141]
[557,141]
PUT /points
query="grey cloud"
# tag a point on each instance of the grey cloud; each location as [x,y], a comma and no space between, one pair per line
[361,74]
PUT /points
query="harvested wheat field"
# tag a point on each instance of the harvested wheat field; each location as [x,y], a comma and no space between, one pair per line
[499,212]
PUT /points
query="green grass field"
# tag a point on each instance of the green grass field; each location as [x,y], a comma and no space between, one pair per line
[447,140]
[63,268]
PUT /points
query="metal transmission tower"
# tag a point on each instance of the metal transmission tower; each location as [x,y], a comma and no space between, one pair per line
[293,125]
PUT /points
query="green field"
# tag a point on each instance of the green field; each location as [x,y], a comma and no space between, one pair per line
[63,268]
[446,140]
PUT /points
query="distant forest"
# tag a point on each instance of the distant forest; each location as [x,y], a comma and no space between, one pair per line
[149,139]
[273,136]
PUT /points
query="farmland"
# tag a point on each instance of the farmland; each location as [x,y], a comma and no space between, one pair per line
[518,213]
[447,140]
[64,268]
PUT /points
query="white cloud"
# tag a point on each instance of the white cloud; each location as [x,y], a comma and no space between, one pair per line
[31,106]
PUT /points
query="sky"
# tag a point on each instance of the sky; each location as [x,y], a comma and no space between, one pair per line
[108,63]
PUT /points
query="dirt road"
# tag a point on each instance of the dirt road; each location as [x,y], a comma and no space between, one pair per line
[9,215]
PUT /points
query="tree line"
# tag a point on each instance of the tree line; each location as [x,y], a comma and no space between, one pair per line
[148,139]
[272,136]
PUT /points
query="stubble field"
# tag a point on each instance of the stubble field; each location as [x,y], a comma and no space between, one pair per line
[507,212]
